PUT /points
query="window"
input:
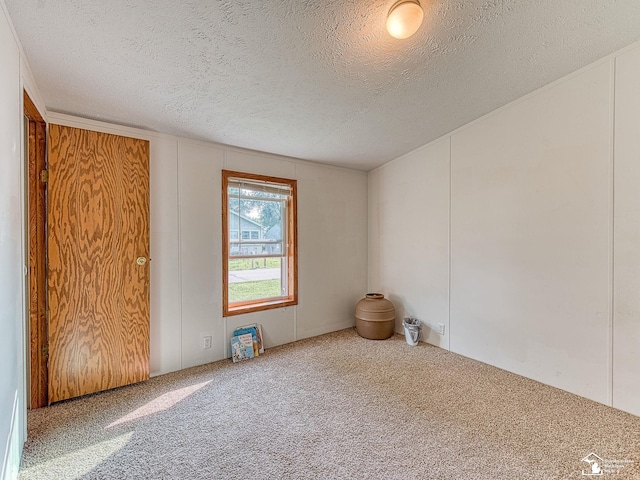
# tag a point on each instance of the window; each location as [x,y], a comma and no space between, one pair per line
[259,243]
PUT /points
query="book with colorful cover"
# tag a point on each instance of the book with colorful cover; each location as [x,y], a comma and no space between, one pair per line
[249,342]
[258,330]
[253,332]
[241,347]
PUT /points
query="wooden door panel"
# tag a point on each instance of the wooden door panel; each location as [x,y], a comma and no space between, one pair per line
[135,293]
[98,224]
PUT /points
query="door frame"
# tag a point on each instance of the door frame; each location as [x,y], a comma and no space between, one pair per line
[35,164]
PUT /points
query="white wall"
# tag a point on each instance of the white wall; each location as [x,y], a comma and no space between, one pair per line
[166,328]
[531,262]
[186,248]
[14,77]
[11,278]
[409,237]
[530,204]
[626,338]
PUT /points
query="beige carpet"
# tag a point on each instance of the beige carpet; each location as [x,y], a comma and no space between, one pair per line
[336,406]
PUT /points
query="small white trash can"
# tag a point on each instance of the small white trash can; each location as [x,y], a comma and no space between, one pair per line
[412,330]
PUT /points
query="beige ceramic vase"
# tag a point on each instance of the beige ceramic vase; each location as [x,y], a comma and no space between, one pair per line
[375,317]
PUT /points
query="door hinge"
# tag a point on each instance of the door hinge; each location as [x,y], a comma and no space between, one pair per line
[45,350]
[44,176]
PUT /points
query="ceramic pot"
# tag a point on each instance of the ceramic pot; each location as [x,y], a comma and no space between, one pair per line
[375,317]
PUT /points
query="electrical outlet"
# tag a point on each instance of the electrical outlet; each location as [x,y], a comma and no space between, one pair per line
[441,328]
[206,343]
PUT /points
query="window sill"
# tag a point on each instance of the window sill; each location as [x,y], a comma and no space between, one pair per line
[248,307]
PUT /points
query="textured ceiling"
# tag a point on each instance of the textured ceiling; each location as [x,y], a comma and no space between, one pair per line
[318,80]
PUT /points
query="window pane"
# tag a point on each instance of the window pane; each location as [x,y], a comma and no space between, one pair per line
[275,248]
[244,248]
[253,279]
[258,216]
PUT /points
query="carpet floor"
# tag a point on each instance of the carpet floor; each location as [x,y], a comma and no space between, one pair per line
[335,406]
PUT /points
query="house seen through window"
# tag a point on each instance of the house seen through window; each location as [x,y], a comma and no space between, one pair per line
[259,238]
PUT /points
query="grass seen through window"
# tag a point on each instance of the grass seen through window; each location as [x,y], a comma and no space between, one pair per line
[245,288]
[241,292]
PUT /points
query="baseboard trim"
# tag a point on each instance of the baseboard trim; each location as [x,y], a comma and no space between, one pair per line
[13,452]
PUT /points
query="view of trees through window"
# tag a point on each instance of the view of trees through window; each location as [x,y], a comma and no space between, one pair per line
[252,205]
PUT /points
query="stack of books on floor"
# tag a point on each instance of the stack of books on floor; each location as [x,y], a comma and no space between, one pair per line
[246,342]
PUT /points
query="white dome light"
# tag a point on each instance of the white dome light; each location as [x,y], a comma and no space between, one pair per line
[405,17]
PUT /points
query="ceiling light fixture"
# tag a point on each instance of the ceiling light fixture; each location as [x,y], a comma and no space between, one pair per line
[404,19]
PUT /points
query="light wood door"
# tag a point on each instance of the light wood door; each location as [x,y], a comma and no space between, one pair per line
[98,228]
